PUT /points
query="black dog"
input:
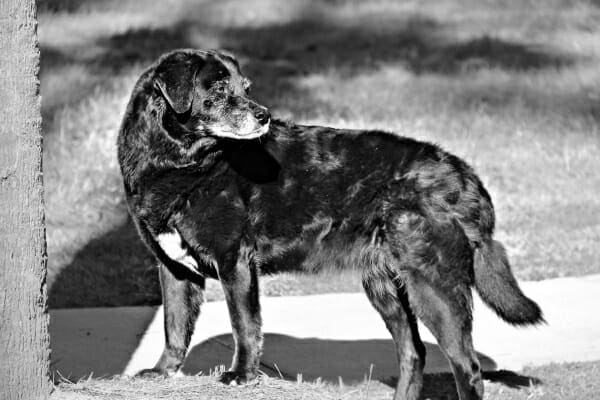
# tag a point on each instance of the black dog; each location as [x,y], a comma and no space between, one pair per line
[218,189]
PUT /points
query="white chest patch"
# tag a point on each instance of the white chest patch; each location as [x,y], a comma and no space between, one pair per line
[172,244]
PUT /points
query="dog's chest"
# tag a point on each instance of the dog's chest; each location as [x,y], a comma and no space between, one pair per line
[174,247]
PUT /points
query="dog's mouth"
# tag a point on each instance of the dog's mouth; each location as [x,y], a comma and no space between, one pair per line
[240,134]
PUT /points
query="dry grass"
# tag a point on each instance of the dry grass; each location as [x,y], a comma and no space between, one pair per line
[555,381]
[197,387]
[509,85]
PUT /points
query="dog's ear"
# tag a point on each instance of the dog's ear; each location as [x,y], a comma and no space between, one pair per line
[175,78]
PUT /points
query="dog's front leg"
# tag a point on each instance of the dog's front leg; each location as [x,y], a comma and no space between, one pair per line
[240,284]
[182,299]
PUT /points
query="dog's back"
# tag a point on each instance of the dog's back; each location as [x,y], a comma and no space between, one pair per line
[342,187]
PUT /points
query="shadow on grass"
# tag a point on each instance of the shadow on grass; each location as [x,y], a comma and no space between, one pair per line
[111,55]
[112,270]
[317,44]
[328,360]
[276,55]
[70,6]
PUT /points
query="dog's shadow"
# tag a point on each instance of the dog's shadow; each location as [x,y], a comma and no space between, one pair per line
[349,360]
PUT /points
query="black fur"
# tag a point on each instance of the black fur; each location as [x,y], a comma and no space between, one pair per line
[415,220]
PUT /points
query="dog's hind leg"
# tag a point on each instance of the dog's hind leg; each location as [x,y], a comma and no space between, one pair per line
[435,264]
[448,317]
[182,300]
[391,301]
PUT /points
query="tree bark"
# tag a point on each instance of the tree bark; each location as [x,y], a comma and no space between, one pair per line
[24,340]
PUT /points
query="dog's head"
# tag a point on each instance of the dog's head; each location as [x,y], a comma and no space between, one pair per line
[207,95]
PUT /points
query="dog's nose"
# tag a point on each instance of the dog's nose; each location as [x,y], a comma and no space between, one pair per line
[262,116]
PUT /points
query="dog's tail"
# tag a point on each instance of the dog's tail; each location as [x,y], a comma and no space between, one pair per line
[499,289]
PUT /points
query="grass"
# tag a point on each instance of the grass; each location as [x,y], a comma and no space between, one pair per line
[554,381]
[511,86]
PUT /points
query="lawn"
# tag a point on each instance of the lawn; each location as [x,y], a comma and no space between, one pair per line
[550,382]
[509,85]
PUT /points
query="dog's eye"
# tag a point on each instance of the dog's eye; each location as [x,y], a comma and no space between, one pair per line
[207,103]
[221,89]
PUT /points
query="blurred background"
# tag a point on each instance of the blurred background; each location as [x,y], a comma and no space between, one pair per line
[512,86]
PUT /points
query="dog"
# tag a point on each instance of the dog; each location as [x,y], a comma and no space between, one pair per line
[219,189]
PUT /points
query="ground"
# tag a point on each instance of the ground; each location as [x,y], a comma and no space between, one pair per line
[552,382]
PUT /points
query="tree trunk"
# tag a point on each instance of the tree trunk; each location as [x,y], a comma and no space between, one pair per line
[24,340]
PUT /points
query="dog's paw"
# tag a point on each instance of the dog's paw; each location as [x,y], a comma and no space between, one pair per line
[235,378]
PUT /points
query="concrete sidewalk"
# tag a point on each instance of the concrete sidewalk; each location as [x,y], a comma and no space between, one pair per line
[326,336]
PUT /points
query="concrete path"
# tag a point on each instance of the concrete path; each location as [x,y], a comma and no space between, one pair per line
[326,336]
